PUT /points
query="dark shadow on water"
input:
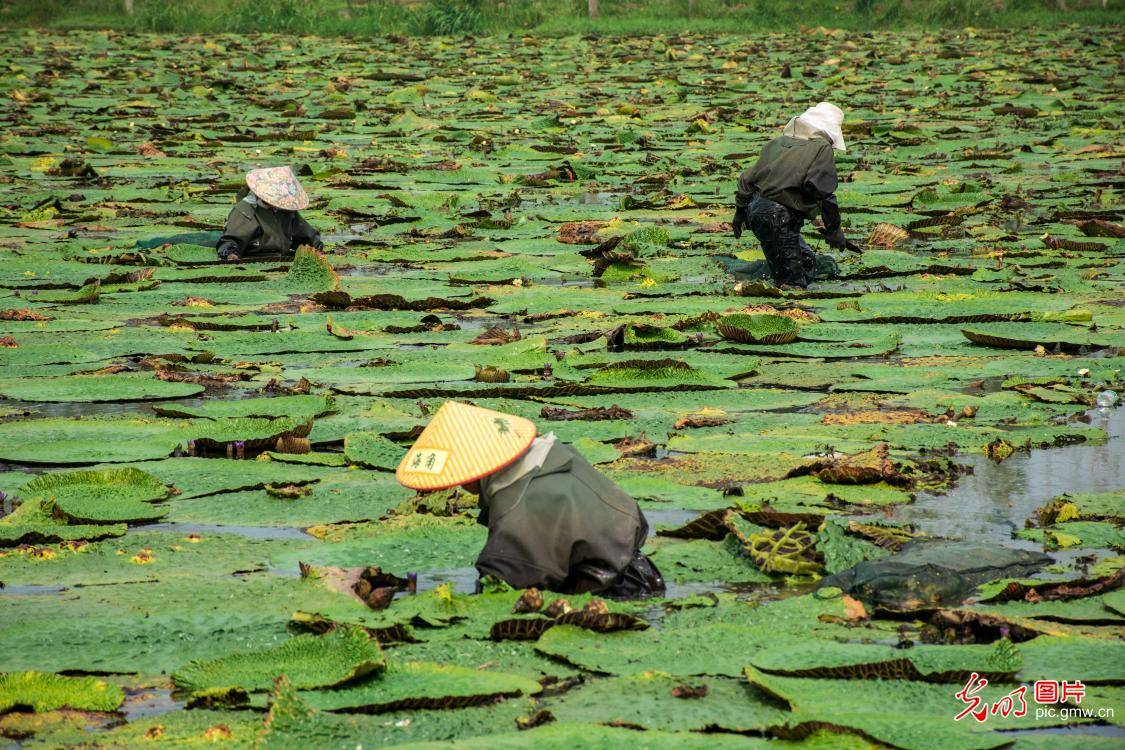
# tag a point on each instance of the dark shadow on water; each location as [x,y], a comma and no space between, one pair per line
[668,518]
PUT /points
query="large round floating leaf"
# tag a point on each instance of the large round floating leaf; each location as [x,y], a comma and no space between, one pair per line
[34,522]
[758,329]
[1030,335]
[645,336]
[417,685]
[101,496]
[599,737]
[255,432]
[85,295]
[297,407]
[309,661]
[902,714]
[833,659]
[654,374]
[93,388]
[116,440]
[188,255]
[43,691]
[372,450]
[652,700]
[869,346]
[292,723]
[79,441]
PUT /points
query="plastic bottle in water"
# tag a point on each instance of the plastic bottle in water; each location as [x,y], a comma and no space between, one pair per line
[1106,399]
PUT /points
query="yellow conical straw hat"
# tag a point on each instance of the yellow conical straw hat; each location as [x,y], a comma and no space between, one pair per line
[462,444]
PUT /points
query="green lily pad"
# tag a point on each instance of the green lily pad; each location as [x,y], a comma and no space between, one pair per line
[758,329]
[661,374]
[95,497]
[95,388]
[308,661]
[42,692]
[373,451]
[420,685]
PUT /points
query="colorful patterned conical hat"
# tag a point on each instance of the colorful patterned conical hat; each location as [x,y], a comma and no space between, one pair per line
[462,444]
[278,186]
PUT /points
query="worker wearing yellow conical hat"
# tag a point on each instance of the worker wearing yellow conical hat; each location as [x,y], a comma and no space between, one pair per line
[554,522]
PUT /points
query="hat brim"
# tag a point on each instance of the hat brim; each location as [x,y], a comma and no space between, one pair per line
[267,186]
[470,480]
[463,444]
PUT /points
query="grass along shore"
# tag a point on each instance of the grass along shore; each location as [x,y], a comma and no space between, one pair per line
[542,17]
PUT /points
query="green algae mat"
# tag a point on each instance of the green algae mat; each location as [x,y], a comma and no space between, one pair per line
[196,458]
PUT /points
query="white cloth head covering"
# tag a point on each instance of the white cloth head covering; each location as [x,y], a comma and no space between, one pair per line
[523,466]
[824,119]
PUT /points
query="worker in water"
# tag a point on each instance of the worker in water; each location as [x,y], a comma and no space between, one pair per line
[793,180]
[554,522]
[265,220]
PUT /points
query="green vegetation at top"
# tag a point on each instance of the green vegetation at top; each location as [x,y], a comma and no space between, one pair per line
[548,17]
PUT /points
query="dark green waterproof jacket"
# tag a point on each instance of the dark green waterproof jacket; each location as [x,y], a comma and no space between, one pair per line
[256,229]
[563,527]
[797,173]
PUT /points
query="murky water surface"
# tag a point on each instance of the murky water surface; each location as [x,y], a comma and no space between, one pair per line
[992,502]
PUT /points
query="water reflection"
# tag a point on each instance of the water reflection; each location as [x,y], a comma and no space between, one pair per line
[993,502]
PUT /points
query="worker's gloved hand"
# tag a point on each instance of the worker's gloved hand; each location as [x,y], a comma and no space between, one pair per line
[228,253]
[739,222]
[836,238]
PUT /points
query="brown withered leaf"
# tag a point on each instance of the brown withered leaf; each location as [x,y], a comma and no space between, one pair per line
[23,314]
[150,151]
[690,692]
[558,414]
[635,446]
[1101,228]
[904,416]
[581,232]
[866,467]
[497,335]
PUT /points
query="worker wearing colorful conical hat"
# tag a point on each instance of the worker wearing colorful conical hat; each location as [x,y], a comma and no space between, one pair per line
[793,180]
[265,219]
[554,522]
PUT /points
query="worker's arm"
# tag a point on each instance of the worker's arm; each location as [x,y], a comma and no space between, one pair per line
[305,234]
[742,197]
[820,184]
[240,231]
[591,575]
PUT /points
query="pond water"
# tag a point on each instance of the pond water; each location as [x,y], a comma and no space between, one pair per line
[148,703]
[992,502]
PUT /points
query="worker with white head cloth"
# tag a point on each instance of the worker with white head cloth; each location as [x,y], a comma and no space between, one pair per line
[793,180]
